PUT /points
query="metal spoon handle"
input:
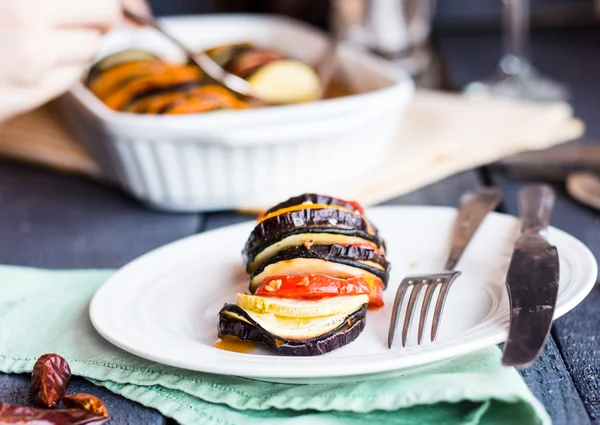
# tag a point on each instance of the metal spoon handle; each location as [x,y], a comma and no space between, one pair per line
[473,208]
[200,59]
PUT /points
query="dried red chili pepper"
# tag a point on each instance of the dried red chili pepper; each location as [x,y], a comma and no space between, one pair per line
[88,402]
[50,379]
[11,415]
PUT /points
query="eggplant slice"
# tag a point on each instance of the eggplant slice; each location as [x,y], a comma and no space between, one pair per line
[323,220]
[254,259]
[117,58]
[313,198]
[234,321]
[366,260]
[255,246]
[157,91]
[336,252]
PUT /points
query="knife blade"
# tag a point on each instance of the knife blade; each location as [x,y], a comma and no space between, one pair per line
[532,278]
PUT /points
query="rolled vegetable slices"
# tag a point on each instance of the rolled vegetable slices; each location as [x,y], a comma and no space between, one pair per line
[136,81]
[315,263]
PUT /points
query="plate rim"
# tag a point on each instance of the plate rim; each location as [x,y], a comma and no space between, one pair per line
[434,354]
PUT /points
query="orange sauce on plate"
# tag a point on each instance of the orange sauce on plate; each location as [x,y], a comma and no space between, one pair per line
[236,345]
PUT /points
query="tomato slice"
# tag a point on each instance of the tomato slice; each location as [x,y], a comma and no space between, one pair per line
[376,295]
[358,207]
[317,286]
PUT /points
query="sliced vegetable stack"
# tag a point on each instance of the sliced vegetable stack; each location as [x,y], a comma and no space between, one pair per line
[274,76]
[140,82]
[315,264]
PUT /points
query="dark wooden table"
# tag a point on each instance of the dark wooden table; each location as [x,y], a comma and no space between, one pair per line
[59,221]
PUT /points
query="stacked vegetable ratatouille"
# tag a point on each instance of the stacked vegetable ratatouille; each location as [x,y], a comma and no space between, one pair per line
[138,81]
[315,264]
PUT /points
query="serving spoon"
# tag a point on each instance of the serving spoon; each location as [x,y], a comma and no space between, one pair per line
[325,68]
[200,59]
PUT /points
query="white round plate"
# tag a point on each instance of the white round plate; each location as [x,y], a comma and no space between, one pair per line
[163,306]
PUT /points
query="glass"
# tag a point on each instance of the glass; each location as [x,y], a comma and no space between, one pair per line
[516,77]
[395,29]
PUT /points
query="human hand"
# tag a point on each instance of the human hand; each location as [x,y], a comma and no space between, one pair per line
[47,45]
[139,7]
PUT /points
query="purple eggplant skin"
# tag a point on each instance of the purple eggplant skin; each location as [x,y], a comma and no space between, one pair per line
[332,340]
[250,253]
[276,228]
[313,198]
[347,255]
[335,252]
[183,88]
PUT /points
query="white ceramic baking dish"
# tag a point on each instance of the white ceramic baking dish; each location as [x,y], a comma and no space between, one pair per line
[232,159]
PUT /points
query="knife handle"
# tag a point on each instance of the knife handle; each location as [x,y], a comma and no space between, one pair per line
[473,208]
[535,207]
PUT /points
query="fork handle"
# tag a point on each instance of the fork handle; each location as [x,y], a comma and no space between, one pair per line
[473,208]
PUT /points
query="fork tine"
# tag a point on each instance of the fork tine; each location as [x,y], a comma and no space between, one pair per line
[396,309]
[439,306]
[437,314]
[409,310]
[425,307]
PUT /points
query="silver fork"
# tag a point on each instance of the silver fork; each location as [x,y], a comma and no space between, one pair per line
[473,208]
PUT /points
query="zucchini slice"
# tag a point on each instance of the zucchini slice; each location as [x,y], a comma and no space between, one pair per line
[235,321]
[332,260]
[301,309]
[123,56]
[324,220]
[254,259]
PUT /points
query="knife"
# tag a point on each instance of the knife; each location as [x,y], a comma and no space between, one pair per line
[532,279]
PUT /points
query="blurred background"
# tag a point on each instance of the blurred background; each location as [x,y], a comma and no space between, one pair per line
[449,14]
[424,21]
[546,51]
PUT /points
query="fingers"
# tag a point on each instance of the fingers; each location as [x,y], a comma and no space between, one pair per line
[102,14]
[46,46]
[56,82]
[35,53]
[74,46]
[139,7]
[20,14]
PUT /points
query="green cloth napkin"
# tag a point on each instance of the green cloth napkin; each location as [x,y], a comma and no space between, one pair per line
[44,311]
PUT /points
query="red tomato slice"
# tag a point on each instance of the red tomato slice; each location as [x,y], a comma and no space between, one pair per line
[317,286]
[376,296]
[358,207]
